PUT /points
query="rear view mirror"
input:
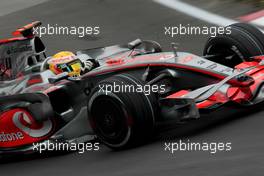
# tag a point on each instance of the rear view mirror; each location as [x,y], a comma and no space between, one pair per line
[133,44]
[38,46]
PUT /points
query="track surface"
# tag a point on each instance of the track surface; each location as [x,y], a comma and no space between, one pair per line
[121,21]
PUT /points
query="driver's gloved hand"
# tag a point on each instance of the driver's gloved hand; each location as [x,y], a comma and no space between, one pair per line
[87,66]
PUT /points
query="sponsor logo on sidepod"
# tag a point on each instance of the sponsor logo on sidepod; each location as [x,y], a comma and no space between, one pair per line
[35,133]
[4,137]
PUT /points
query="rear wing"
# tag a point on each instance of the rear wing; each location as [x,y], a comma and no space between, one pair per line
[19,53]
[27,30]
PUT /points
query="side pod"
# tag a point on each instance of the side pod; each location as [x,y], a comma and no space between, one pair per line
[36,103]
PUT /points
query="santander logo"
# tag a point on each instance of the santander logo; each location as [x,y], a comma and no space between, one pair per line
[20,116]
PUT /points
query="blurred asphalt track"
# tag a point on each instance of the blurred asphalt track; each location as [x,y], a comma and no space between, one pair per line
[121,21]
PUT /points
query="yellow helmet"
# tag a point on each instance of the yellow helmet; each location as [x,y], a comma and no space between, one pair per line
[65,61]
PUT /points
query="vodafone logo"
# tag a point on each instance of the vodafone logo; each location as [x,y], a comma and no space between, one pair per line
[35,133]
[4,137]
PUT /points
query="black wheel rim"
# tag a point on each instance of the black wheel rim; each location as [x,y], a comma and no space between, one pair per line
[110,120]
[226,55]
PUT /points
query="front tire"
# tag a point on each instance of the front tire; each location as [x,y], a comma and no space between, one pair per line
[230,49]
[122,119]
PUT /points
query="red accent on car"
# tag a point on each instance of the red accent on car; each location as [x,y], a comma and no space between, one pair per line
[149,58]
[258,58]
[16,33]
[239,94]
[172,65]
[246,83]
[20,31]
[34,80]
[32,124]
[219,97]
[12,40]
[205,104]
[13,136]
[246,65]
[178,94]
[186,59]
[115,61]
[232,91]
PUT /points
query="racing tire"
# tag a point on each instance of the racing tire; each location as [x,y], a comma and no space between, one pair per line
[240,44]
[122,119]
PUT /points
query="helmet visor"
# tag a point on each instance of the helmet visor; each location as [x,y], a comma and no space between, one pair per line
[72,67]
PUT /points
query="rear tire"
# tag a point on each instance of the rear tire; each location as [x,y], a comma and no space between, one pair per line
[244,42]
[122,119]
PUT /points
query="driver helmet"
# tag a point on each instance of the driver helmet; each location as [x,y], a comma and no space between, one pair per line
[65,61]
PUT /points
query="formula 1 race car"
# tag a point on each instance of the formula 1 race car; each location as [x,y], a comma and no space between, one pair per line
[133,88]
